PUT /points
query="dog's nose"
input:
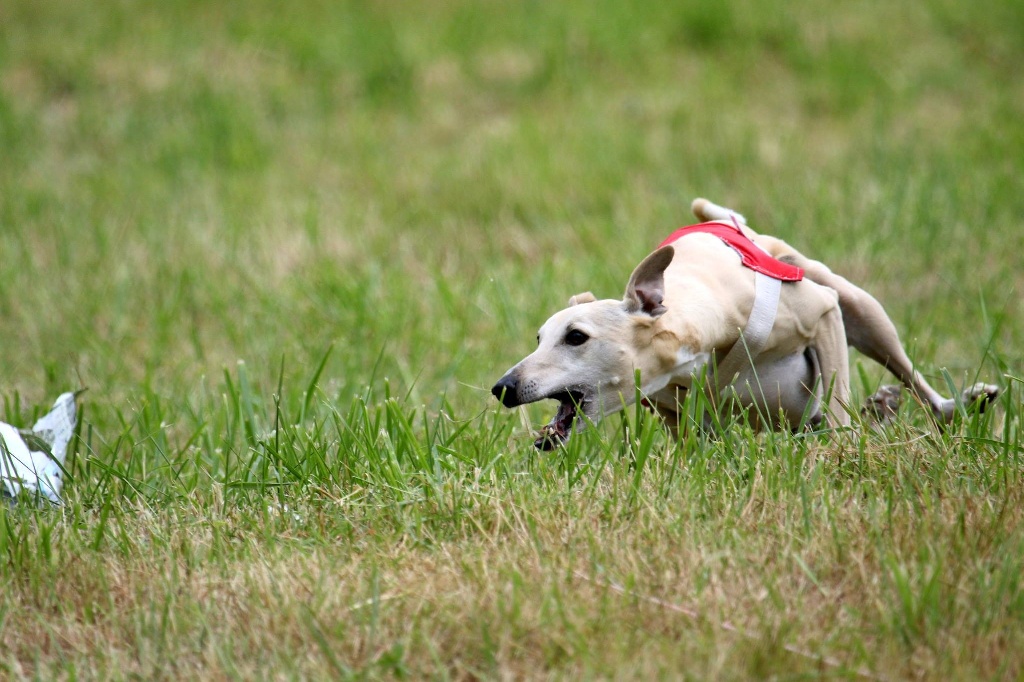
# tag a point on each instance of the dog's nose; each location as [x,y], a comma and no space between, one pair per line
[507,390]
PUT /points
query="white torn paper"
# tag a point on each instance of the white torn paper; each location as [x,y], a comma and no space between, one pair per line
[33,461]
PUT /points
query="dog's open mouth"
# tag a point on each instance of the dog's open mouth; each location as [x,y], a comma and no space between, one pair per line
[558,430]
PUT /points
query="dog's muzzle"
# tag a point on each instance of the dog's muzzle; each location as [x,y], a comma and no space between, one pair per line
[558,430]
[507,391]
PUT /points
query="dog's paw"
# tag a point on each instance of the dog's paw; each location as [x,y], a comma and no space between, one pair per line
[980,396]
[882,406]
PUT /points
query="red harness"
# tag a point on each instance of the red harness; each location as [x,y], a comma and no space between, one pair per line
[753,256]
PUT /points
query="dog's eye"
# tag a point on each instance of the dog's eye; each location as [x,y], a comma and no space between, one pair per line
[576,338]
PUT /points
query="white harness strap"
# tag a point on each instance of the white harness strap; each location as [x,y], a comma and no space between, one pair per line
[754,336]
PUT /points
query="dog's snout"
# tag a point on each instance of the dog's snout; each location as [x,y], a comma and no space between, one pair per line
[507,391]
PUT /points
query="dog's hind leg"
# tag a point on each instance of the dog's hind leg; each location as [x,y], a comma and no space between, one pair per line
[869,330]
[883,405]
[833,361]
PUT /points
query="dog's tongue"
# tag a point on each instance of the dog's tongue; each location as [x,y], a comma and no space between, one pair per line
[558,430]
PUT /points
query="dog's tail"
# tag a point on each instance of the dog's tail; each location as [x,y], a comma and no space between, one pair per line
[705,210]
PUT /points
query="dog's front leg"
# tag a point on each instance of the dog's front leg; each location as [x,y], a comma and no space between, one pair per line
[676,417]
[670,418]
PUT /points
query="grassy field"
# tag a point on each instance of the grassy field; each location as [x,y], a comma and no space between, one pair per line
[288,247]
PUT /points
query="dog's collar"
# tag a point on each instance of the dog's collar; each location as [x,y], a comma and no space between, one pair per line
[752,255]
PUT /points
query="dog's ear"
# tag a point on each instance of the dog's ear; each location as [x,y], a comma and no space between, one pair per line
[645,292]
[585,297]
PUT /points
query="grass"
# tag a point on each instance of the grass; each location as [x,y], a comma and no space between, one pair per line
[289,248]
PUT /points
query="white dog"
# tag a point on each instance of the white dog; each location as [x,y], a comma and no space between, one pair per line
[763,326]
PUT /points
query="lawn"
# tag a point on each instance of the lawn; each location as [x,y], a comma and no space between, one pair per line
[288,247]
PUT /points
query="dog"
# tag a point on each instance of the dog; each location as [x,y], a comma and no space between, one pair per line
[746,318]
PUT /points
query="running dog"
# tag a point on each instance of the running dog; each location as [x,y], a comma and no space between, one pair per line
[757,325]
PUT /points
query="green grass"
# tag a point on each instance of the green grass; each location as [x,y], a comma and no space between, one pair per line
[289,247]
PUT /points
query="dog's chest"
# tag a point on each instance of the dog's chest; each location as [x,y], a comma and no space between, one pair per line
[688,365]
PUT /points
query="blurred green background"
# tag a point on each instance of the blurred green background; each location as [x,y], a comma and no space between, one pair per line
[404,192]
[185,184]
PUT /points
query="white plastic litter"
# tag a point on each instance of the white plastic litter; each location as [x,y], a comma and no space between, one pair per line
[33,460]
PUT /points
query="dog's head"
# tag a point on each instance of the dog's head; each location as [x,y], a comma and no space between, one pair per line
[586,354]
